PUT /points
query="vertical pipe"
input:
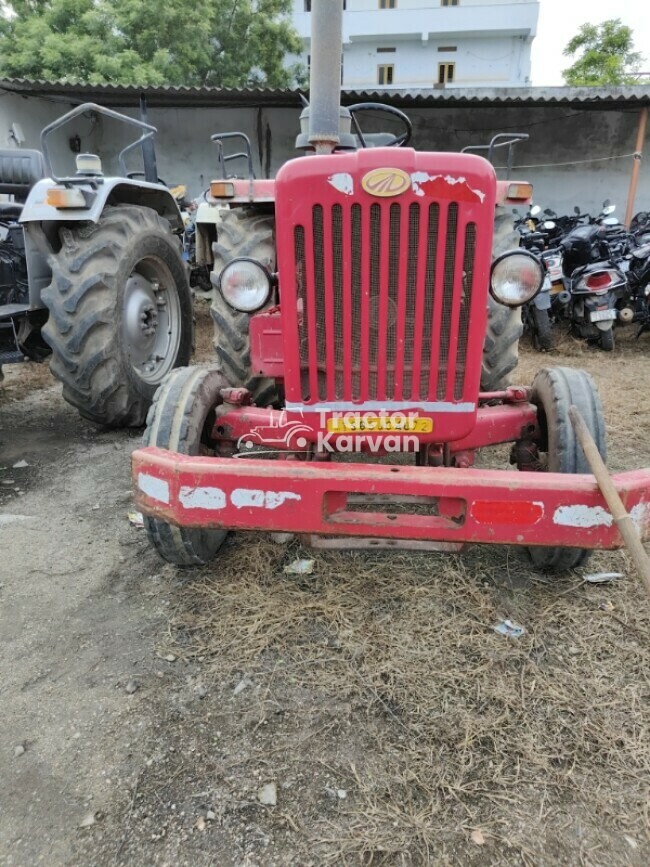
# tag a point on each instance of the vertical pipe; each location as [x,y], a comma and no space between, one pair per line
[636,168]
[325,74]
[148,148]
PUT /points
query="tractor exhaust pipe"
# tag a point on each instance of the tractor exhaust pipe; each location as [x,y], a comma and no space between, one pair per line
[325,75]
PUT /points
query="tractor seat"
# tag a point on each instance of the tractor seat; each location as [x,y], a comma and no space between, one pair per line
[19,171]
[10,210]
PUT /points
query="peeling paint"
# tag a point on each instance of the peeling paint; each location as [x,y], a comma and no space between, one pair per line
[640,514]
[202,498]
[248,498]
[343,182]
[157,489]
[425,184]
[582,516]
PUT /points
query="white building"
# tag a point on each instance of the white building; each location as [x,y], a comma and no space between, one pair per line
[431,43]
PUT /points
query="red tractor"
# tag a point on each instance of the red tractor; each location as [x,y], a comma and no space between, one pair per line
[353,298]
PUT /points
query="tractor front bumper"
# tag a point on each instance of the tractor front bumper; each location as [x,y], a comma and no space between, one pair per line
[388,502]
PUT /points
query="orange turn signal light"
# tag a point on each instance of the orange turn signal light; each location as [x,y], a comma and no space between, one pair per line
[64,197]
[520,191]
[222,190]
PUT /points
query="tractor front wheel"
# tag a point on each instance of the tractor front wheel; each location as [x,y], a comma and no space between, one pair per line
[120,313]
[181,420]
[504,326]
[250,233]
[554,391]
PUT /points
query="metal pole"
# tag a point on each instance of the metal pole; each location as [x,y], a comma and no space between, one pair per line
[636,168]
[148,148]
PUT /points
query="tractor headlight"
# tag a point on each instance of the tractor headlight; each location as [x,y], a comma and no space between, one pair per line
[516,278]
[245,284]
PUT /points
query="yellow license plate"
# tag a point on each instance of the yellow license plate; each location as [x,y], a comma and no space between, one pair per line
[379,424]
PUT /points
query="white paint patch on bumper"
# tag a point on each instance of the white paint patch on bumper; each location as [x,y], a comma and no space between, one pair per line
[202,498]
[157,489]
[584,517]
[640,514]
[248,498]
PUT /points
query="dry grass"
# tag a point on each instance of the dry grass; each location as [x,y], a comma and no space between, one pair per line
[399,690]
[541,743]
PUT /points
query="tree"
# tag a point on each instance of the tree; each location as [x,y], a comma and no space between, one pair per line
[607,55]
[227,43]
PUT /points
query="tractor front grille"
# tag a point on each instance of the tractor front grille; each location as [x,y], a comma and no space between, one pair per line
[383,301]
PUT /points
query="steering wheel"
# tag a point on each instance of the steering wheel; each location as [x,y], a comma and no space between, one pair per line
[398,141]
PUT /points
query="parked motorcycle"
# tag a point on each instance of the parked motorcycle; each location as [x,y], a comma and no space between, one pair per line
[595,284]
[536,316]
[638,278]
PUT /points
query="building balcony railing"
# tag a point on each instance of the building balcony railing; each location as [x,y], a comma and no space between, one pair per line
[499,19]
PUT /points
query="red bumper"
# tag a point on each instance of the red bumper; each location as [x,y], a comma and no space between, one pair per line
[436,504]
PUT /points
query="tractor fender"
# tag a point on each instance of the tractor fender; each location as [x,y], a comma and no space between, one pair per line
[40,220]
[111,191]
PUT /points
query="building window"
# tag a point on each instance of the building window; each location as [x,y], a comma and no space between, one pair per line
[448,48]
[385,73]
[385,51]
[388,4]
[449,2]
[446,73]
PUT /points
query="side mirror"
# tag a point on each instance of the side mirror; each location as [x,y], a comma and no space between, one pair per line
[535,210]
[606,204]
[577,211]
[609,209]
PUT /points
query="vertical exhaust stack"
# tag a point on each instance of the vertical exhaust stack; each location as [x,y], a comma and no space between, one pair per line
[325,75]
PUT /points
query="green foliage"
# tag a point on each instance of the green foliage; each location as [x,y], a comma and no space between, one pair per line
[227,43]
[608,56]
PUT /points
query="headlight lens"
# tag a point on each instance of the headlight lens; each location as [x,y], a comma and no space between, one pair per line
[245,284]
[516,278]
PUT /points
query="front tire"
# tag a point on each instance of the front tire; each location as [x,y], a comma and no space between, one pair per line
[554,391]
[252,234]
[181,420]
[120,313]
[504,326]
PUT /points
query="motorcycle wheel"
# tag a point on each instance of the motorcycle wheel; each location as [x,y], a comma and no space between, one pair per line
[607,340]
[542,330]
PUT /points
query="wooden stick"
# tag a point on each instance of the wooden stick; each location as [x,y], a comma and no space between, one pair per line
[624,523]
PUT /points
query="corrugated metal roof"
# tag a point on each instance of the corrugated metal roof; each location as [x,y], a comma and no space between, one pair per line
[615,98]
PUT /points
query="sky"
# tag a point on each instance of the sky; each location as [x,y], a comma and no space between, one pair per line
[560,20]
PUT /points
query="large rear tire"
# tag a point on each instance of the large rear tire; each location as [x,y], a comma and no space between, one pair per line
[504,327]
[241,232]
[181,420]
[554,391]
[120,313]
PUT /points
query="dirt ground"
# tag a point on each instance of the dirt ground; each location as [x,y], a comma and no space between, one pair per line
[144,707]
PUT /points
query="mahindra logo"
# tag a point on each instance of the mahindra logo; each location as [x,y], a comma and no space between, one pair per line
[386,182]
